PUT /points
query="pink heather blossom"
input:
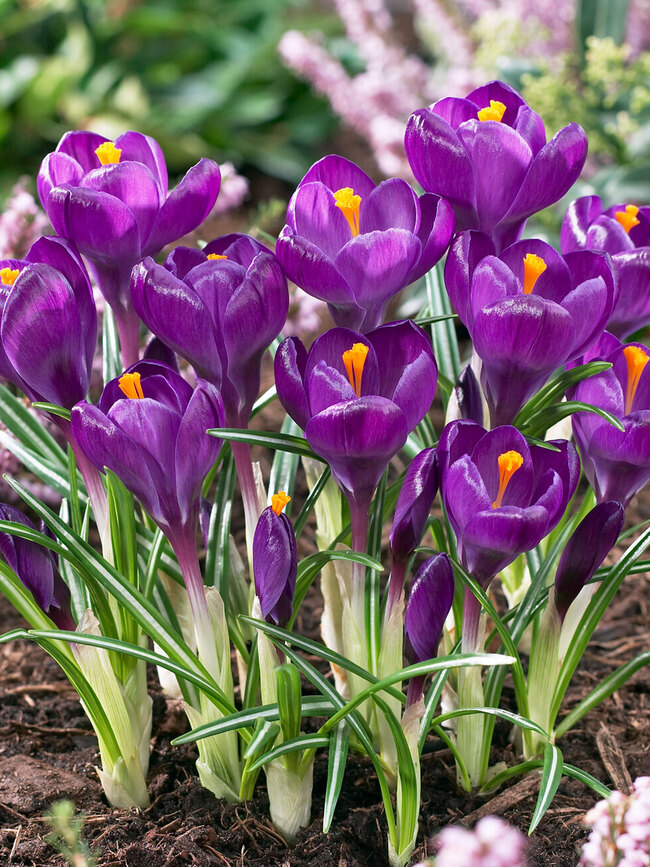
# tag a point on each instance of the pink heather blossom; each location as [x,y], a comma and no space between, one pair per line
[22,222]
[620,835]
[233,191]
[492,843]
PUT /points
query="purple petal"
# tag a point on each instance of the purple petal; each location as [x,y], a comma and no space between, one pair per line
[428,605]
[274,565]
[590,543]
[608,235]
[176,314]
[81,146]
[336,172]
[327,386]
[237,247]
[32,563]
[134,185]
[492,281]
[318,219]
[468,395]
[143,149]
[632,310]
[441,164]
[289,370]
[467,250]
[358,439]
[392,204]
[464,493]
[57,169]
[331,346]
[195,450]
[530,126]
[186,207]
[101,226]
[414,504]
[553,283]
[486,458]
[311,269]
[455,110]
[500,92]
[580,214]
[500,158]
[458,438]
[437,224]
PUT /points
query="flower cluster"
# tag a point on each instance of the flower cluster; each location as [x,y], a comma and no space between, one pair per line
[620,829]
[492,843]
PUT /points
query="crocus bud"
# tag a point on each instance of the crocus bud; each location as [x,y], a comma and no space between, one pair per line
[590,543]
[428,605]
[36,568]
[275,561]
[414,504]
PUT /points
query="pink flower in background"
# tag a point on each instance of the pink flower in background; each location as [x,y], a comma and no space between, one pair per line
[233,191]
[22,222]
[492,843]
[620,835]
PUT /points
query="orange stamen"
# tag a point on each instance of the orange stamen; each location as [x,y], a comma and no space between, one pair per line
[636,360]
[346,200]
[9,275]
[129,383]
[216,256]
[354,360]
[628,217]
[107,153]
[279,501]
[534,267]
[494,111]
[509,463]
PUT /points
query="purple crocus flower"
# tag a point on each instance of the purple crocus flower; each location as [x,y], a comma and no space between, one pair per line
[357,397]
[112,200]
[149,428]
[529,311]
[354,244]
[219,308]
[275,561]
[429,603]
[487,154]
[48,323]
[502,495]
[617,463]
[590,543]
[623,231]
[414,504]
[36,567]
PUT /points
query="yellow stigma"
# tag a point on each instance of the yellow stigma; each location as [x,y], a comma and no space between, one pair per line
[216,256]
[354,360]
[129,383]
[349,203]
[636,360]
[279,501]
[8,275]
[509,463]
[494,111]
[534,267]
[107,153]
[628,217]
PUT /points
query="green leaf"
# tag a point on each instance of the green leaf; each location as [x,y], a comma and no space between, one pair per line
[339,744]
[298,744]
[53,409]
[111,358]
[17,418]
[551,776]
[443,332]
[267,439]
[285,465]
[539,423]
[514,718]
[556,388]
[48,471]
[289,694]
[265,733]
[308,505]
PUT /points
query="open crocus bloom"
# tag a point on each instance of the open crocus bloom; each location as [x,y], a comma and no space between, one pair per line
[529,310]
[112,200]
[502,495]
[617,463]
[149,428]
[46,301]
[219,308]
[623,231]
[487,154]
[357,397]
[354,244]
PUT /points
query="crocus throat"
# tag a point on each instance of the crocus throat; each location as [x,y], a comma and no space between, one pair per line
[279,501]
[107,153]
[494,111]
[628,217]
[534,267]
[129,383]
[216,256]
[354,360]
[636,360]
[8,275]
[509,463]
[346,200]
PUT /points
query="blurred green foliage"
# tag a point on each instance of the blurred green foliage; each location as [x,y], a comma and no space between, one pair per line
[201,76]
